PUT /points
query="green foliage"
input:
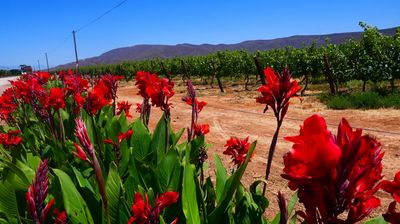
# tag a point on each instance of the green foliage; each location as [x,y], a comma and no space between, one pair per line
[74,204]
[362,100]
[189,198]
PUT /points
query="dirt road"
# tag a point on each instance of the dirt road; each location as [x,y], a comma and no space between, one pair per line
[4,82]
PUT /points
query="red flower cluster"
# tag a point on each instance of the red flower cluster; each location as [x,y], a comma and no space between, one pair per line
[10,138]
[237,149]
[96,99]
[30,88]
[143,80]
[7,104]
[75,84]
[37,193]
[159,90]
[278,91]
[56,98]
[195,128]
[333,175]
[124,106]
[143,213]
[111,82]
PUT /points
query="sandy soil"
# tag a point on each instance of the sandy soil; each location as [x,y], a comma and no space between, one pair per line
[235,113]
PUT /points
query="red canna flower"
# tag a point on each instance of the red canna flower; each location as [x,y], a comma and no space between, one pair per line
[392,187]
[334,175]
[154,88]
[160,92]
[121,137]
[167,199]
[125,135]
[61,217]
[108,141]
[144,213]
[10,138]
[201,129]
[276,94]
[199,104]
[150,89]
[75,84]
[307,158]
[364,204]
[278,91]
[37,193]
[79,102]
[111,82]
[70,71]
[237,149]
[143,80]
[42,76]
[95,100]
[56,98]
[124,106]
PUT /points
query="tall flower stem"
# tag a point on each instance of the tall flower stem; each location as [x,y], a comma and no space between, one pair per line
[97,139]
[83,136]
[271,152]
[166,119]
[62,130]
[145,112]
[114,106]
[100,182]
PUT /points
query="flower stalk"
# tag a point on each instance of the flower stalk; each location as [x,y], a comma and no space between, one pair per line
[276,93]
[83,137]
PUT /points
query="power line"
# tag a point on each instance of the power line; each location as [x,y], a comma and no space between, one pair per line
[101,16]
[60,44]
[85,26]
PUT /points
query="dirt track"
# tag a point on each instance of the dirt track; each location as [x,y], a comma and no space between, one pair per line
[236,113]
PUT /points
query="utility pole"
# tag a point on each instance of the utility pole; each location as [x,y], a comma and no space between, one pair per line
[76,53]
[47,62]
[38,65]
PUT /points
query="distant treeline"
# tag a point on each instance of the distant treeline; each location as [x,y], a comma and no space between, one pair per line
[12,72]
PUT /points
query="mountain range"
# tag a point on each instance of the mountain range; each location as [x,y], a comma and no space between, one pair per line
[147,51]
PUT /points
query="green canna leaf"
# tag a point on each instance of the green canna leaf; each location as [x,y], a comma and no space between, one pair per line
[189,199]
[76,208]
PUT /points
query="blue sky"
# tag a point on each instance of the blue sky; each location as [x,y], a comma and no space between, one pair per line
[31,28]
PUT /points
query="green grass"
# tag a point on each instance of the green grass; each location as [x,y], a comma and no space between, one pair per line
[362,100]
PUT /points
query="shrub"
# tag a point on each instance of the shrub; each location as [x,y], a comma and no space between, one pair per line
[361,100]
